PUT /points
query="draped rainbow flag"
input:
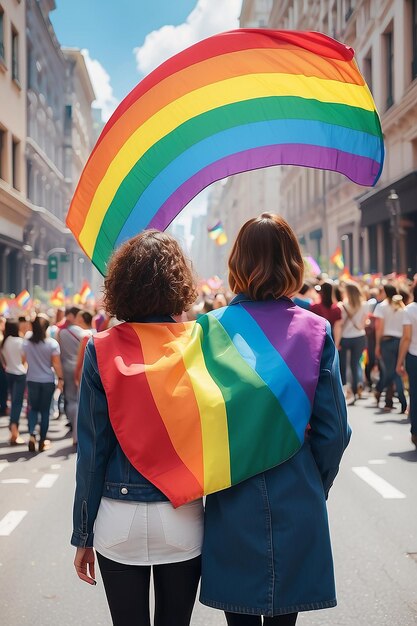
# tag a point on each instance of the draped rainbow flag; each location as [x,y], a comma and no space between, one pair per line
[198,407]
[237,101]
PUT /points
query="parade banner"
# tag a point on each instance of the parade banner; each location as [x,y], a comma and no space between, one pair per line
[234,102]
[211,413]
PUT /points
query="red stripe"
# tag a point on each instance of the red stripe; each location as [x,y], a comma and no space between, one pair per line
[141,432]
[232,41]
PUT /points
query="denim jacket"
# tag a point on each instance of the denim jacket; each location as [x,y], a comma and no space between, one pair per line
[102,468]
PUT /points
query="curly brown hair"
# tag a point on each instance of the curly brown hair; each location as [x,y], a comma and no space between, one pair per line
[148,275]
[265,261]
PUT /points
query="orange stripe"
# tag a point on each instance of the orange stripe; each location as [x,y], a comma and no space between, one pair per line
[172,390]
[284,60]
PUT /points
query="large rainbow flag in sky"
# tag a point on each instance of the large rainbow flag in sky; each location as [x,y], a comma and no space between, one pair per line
[237,101]
[198,407]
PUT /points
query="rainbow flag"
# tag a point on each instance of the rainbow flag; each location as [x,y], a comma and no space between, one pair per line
[23,299]
[4,307]
[57,297]
[221,239]
[234,102]
[194,406]
[85,292]
[337,259]
[215,231]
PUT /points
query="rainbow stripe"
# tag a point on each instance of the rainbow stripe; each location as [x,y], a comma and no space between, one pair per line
[198,407]
[23,298]
[234,102]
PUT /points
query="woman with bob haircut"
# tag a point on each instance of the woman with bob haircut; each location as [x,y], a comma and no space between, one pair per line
[117,511]
[266,552]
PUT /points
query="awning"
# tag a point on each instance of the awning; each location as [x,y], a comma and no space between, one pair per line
[373,204]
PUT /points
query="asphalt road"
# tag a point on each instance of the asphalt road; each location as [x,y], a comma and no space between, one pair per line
[373,514]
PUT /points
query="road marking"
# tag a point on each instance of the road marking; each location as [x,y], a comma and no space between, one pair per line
[380,485]
[55,466]
[3,465]
[388,437]
[15,481]
[377,462]
[46,481]
[10,521]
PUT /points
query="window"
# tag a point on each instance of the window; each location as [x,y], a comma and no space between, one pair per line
[15,163]
[1,35]
[414,39]
[2,150]
[367,69]
[389,68]
[15,54]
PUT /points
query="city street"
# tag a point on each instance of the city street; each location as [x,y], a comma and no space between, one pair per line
[372,513]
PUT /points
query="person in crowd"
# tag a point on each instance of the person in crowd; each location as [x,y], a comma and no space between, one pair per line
[389,316]
[12,353]
[262,555]
[305,297]
[376,294]
[408,354]
[69,339]
[3,378]
[85,321]
[117,511]
[355,310]
[219,300]
[42,356]
[69,317]
[328,309]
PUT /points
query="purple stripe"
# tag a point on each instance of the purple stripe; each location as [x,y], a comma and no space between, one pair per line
[361,170]
[296,334]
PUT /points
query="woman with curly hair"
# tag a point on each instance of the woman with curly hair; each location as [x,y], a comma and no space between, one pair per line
[130,522]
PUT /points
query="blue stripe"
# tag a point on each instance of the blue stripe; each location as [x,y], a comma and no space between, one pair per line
[239,139]
[256,349]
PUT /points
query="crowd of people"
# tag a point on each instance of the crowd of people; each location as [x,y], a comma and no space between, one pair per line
[374,327]
[41,357]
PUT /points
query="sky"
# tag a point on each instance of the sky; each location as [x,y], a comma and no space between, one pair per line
[123,40]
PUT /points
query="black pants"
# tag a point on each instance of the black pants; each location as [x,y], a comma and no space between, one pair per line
[127,591]
[236,619]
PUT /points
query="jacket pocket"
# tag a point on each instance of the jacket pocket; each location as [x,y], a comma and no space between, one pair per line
[183,527]
[113,527]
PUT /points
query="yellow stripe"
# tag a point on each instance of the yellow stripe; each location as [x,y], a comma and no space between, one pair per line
[199,101]
[213,415]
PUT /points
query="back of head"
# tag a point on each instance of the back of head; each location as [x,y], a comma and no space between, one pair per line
[11,329]
[265,261]
[415,292]
[148,275]
[39,327]
[354,296]
[326,294]
[390,291]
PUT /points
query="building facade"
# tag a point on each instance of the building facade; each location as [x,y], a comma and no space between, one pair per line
[46,135]
[376,229]
[14,209]
[375,233]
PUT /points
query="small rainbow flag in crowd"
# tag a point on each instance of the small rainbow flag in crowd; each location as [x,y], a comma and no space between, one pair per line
[85,292]
[211,413]
[217,233]
[234,102]
[23,299]
[58,297]
[337,259]
[4,307]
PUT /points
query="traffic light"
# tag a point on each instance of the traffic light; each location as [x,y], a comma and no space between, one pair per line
[52,267]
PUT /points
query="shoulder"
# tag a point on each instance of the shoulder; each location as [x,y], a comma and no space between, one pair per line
[52,343]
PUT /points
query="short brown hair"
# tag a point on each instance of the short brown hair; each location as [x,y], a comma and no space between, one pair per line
[265,261]
[148,275]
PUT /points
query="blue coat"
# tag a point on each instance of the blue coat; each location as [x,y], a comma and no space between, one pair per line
[266,544]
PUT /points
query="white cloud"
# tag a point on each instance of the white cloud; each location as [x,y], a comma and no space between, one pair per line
[105,99]
[208,18]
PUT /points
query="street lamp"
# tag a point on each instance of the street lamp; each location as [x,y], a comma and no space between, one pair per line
[393,204]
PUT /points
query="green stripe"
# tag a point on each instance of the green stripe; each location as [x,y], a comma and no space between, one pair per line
[198,128]
[260,434]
